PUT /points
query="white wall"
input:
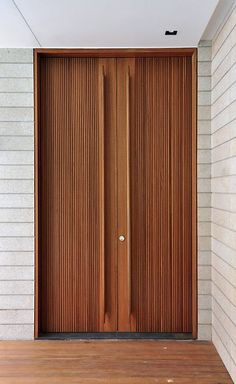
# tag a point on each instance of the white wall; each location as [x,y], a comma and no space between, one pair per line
[223,186]
[204,189]
[16,194]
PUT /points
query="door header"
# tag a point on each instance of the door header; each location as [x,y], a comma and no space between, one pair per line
[114,52]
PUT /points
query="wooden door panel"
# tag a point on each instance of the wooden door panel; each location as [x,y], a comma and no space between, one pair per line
[155,265]
[116,158]
[77,199]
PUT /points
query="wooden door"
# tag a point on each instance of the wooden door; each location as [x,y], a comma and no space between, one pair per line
[116,194]
[154,125]
[77,184]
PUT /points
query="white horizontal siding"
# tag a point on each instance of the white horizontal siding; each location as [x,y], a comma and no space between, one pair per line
[204,190]
[16,186]
[24,85]
[20,316]
[15,258]
[13,70]
[17,55]
[16,194]
[14,200]
[16,128]
[223,187]
[17,331]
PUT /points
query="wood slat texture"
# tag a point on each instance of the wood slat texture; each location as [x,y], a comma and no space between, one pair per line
[116,156]
[110,362]
[74,189]
[160,155]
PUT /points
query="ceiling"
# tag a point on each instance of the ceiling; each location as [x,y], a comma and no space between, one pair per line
[103,23]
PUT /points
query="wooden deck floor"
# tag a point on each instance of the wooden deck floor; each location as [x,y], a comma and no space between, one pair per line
[110,362]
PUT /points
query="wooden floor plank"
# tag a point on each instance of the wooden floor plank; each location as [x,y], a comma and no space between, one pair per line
[111,362]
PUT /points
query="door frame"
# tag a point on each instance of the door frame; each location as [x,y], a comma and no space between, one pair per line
[113,53]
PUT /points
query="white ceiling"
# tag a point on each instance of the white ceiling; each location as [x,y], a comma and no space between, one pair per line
[103,23]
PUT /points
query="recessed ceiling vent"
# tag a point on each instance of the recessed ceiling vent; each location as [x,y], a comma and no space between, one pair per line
[171,33]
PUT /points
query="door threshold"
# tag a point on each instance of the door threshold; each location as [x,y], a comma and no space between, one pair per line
[114,335]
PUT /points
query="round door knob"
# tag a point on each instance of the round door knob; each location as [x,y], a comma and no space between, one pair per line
[121,238]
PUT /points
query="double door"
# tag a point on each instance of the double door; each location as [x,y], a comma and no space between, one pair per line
[116,212]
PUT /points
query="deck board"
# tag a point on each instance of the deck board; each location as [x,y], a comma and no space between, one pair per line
[110,362]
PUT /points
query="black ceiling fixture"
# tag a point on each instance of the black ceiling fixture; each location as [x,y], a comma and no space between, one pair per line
[171,33]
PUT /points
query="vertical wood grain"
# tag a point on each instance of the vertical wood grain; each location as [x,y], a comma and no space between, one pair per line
[72,193]
[116,154]
[161,195]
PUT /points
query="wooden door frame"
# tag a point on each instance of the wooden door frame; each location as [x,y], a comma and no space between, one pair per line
[115,53]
